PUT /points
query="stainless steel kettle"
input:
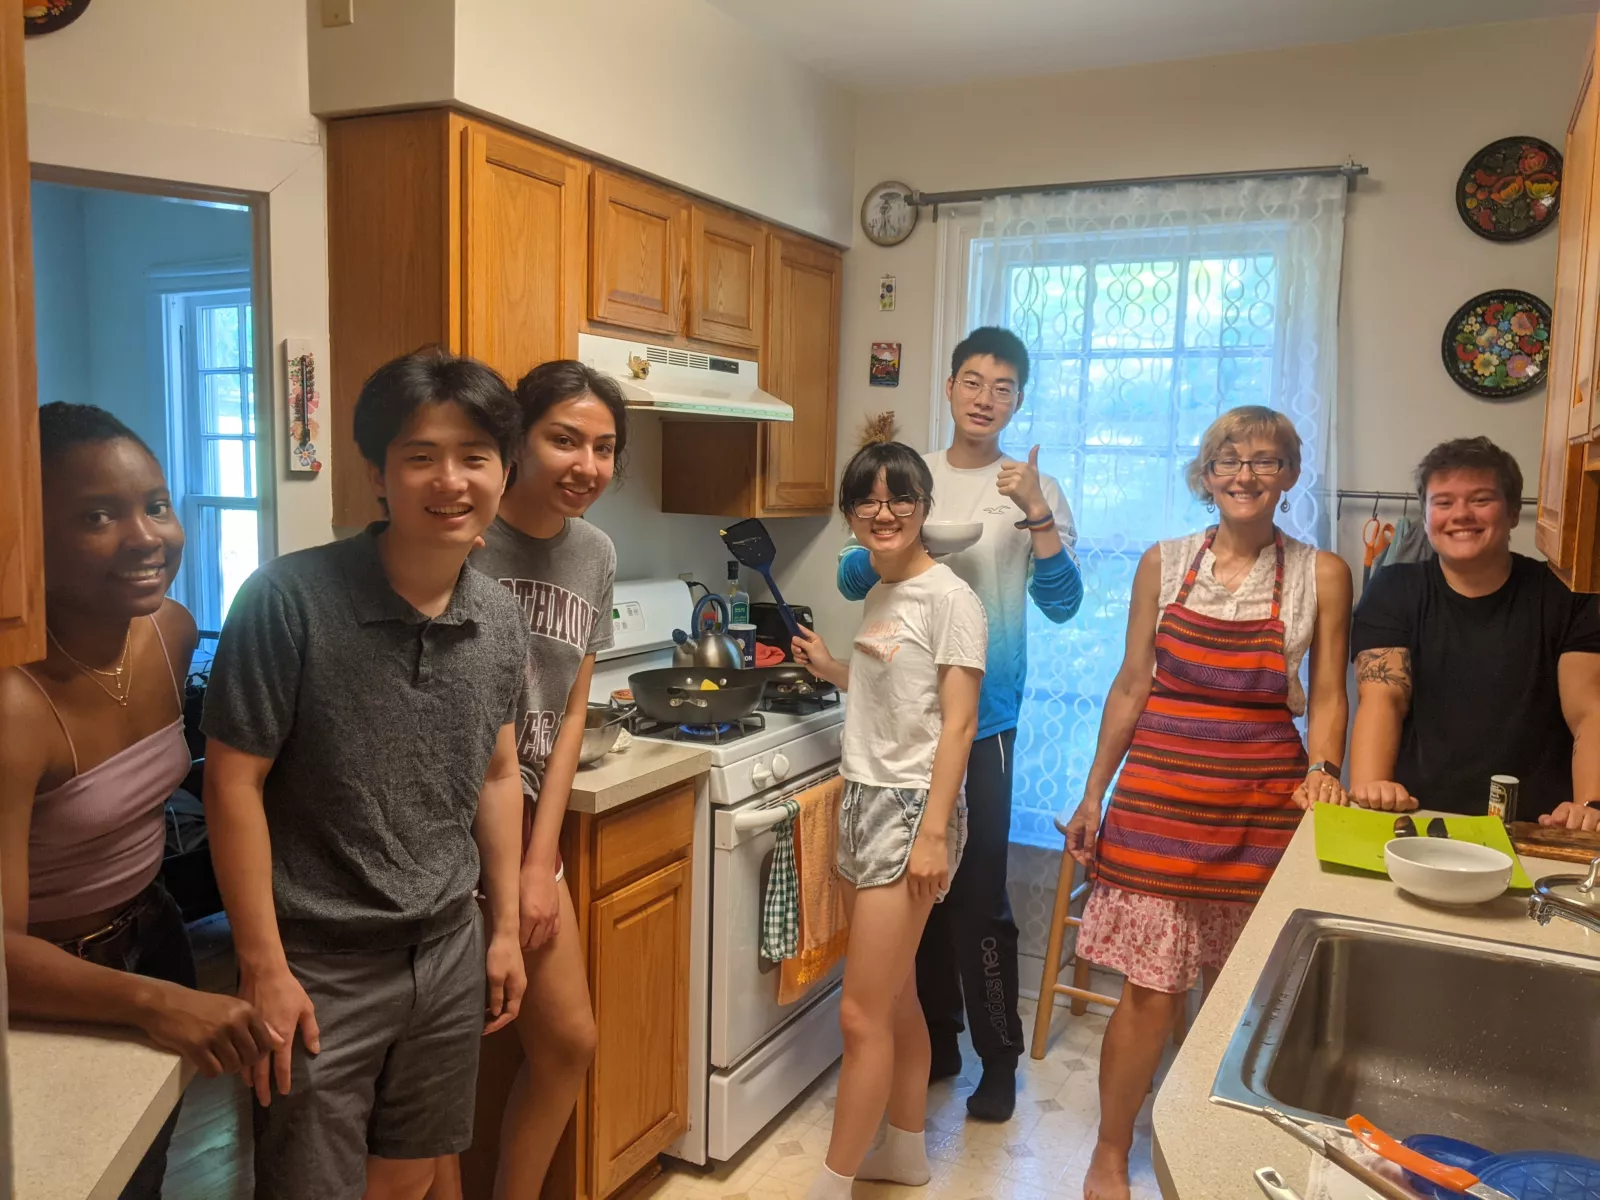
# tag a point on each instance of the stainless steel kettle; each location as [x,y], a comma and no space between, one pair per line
[715,649]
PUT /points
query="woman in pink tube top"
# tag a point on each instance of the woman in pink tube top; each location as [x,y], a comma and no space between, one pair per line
[91,747]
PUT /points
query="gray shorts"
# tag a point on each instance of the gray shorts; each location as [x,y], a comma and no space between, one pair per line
[877,826]
[398,1071]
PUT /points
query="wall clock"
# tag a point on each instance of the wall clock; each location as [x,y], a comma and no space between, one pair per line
[887,214]
[47,16]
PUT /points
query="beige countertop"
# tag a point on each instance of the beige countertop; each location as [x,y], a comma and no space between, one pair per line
[644,767]
[85,1105]
[1203,1151]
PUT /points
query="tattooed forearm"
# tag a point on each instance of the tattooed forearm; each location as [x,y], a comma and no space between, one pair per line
[1390,666]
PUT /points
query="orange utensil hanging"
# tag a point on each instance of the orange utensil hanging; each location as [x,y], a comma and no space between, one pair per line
[1457,1179]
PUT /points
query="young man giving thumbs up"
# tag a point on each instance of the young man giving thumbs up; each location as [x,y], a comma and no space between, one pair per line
[969,950]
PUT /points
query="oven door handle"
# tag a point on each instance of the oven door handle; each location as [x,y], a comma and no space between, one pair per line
[762,818]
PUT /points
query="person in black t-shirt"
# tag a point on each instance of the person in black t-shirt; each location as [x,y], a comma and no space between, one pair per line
[1477,663]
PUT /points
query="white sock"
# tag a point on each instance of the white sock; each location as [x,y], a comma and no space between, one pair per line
[830,1185]
[903,1158]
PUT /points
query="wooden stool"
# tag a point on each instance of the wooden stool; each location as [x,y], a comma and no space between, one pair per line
[1068,893]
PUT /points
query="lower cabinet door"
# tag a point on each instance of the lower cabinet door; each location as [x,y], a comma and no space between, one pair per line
[639,974]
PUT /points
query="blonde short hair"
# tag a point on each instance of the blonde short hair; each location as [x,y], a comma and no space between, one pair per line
[1239,425]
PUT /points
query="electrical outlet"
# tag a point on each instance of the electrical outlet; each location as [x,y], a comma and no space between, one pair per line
[338,12]
[686,576]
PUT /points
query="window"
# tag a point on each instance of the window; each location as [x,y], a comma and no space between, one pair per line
[212,411]
[1146,312]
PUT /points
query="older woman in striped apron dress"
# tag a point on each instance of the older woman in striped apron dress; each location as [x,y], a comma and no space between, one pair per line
[1216,776]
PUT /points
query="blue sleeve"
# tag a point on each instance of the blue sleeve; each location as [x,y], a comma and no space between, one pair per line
[1057,587]
[856,576]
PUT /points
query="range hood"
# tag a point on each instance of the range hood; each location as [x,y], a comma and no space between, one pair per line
[685,383]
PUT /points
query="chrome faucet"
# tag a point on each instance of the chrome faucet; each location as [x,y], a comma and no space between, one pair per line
[1575,897]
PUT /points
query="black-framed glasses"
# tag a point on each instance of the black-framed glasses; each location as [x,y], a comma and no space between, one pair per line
[1261,468]
[899,506]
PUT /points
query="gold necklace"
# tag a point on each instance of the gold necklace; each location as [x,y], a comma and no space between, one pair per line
[123,674]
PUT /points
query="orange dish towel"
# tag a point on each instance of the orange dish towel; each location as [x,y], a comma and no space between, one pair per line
[824,927]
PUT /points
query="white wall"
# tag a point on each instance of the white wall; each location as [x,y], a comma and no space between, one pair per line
[672,88]
[1410,108]
[60,294]
[212,94]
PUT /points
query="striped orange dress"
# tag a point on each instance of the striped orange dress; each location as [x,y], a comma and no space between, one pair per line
[1203,808]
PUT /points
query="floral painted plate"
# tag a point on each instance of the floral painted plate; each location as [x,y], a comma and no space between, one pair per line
[1498,344]
[1511,189]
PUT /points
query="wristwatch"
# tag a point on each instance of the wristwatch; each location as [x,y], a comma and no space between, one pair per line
[1327,768]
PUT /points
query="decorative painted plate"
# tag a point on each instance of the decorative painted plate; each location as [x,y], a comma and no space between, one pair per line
[1498,344]
[1511,189]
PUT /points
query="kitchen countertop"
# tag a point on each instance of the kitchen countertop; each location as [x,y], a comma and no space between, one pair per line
[1203,1151]
[644,767]
[85,1105]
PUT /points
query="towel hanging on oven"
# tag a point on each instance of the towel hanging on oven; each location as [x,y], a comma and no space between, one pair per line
[780,910]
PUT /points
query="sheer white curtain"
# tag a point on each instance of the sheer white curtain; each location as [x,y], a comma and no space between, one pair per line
[1147,311]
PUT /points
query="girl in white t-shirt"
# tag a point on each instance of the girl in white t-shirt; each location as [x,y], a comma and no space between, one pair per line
[914,679]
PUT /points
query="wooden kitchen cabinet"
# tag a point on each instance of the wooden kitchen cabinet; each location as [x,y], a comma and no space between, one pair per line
[728,278]
[444,231]
[636,244]
[21,542]
[628,872]
[772,469]
[1568,522]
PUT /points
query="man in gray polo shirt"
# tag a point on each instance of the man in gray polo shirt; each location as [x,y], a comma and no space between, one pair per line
[361,774]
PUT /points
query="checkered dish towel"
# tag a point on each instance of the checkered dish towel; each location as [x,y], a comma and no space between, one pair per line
[780,911]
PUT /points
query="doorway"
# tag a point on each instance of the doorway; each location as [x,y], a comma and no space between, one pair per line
[148,302]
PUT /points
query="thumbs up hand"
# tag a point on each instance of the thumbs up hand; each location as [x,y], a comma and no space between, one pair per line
[1019,483]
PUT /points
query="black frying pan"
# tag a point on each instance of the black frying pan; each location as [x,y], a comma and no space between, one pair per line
[750,543]
[673,695]
[792,681]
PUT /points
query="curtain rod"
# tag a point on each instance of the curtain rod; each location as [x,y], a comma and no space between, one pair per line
[1351,171]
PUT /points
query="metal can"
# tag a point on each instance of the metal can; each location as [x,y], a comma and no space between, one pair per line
[1503,798]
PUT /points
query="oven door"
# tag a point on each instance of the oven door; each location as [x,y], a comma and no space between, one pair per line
[744,985]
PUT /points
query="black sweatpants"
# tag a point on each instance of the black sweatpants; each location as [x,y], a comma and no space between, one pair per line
[969,948]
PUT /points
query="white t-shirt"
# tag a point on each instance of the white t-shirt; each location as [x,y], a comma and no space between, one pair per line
[998,568]
[908,631]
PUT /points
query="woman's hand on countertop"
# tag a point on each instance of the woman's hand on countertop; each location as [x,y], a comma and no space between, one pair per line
[220,1035]
[1318,787]
[1572,815]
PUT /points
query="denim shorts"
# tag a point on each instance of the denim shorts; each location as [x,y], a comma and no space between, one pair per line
[877,827]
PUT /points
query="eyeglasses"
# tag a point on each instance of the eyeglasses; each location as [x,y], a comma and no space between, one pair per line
[900,506]
[971,388]
[1262,468]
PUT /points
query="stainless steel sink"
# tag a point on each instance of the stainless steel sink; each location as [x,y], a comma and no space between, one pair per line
[1422,1032]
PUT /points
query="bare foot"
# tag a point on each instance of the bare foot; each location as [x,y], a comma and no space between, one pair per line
[1108,1174]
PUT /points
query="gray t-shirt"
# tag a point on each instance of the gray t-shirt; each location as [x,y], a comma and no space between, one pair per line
[380,723]
[563,584]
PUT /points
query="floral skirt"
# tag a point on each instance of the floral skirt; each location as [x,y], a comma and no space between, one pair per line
[1155,942]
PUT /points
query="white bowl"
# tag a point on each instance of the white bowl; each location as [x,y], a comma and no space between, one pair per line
[1447,871]
[950,537]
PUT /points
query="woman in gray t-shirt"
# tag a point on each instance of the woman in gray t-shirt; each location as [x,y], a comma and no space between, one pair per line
[561,569]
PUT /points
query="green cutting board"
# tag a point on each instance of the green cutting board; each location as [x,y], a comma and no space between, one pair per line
[1355,837]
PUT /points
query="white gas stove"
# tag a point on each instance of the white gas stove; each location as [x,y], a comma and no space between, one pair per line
[749,1057]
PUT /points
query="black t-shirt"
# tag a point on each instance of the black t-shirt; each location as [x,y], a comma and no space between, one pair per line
[1484,694]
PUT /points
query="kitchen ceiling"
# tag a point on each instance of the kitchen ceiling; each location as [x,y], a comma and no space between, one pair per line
[889,44]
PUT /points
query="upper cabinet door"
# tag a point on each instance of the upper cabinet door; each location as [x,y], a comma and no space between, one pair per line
[522,235]
[21,548]
[636,255]
[728,273]
[1572,340]
[802,369]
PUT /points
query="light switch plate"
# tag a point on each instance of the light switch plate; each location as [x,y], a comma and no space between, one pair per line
[338,12]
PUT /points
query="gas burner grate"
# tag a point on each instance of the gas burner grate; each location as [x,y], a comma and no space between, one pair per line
[715,735]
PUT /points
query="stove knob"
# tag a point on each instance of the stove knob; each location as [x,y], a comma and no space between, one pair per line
[780,766]
[759,775]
